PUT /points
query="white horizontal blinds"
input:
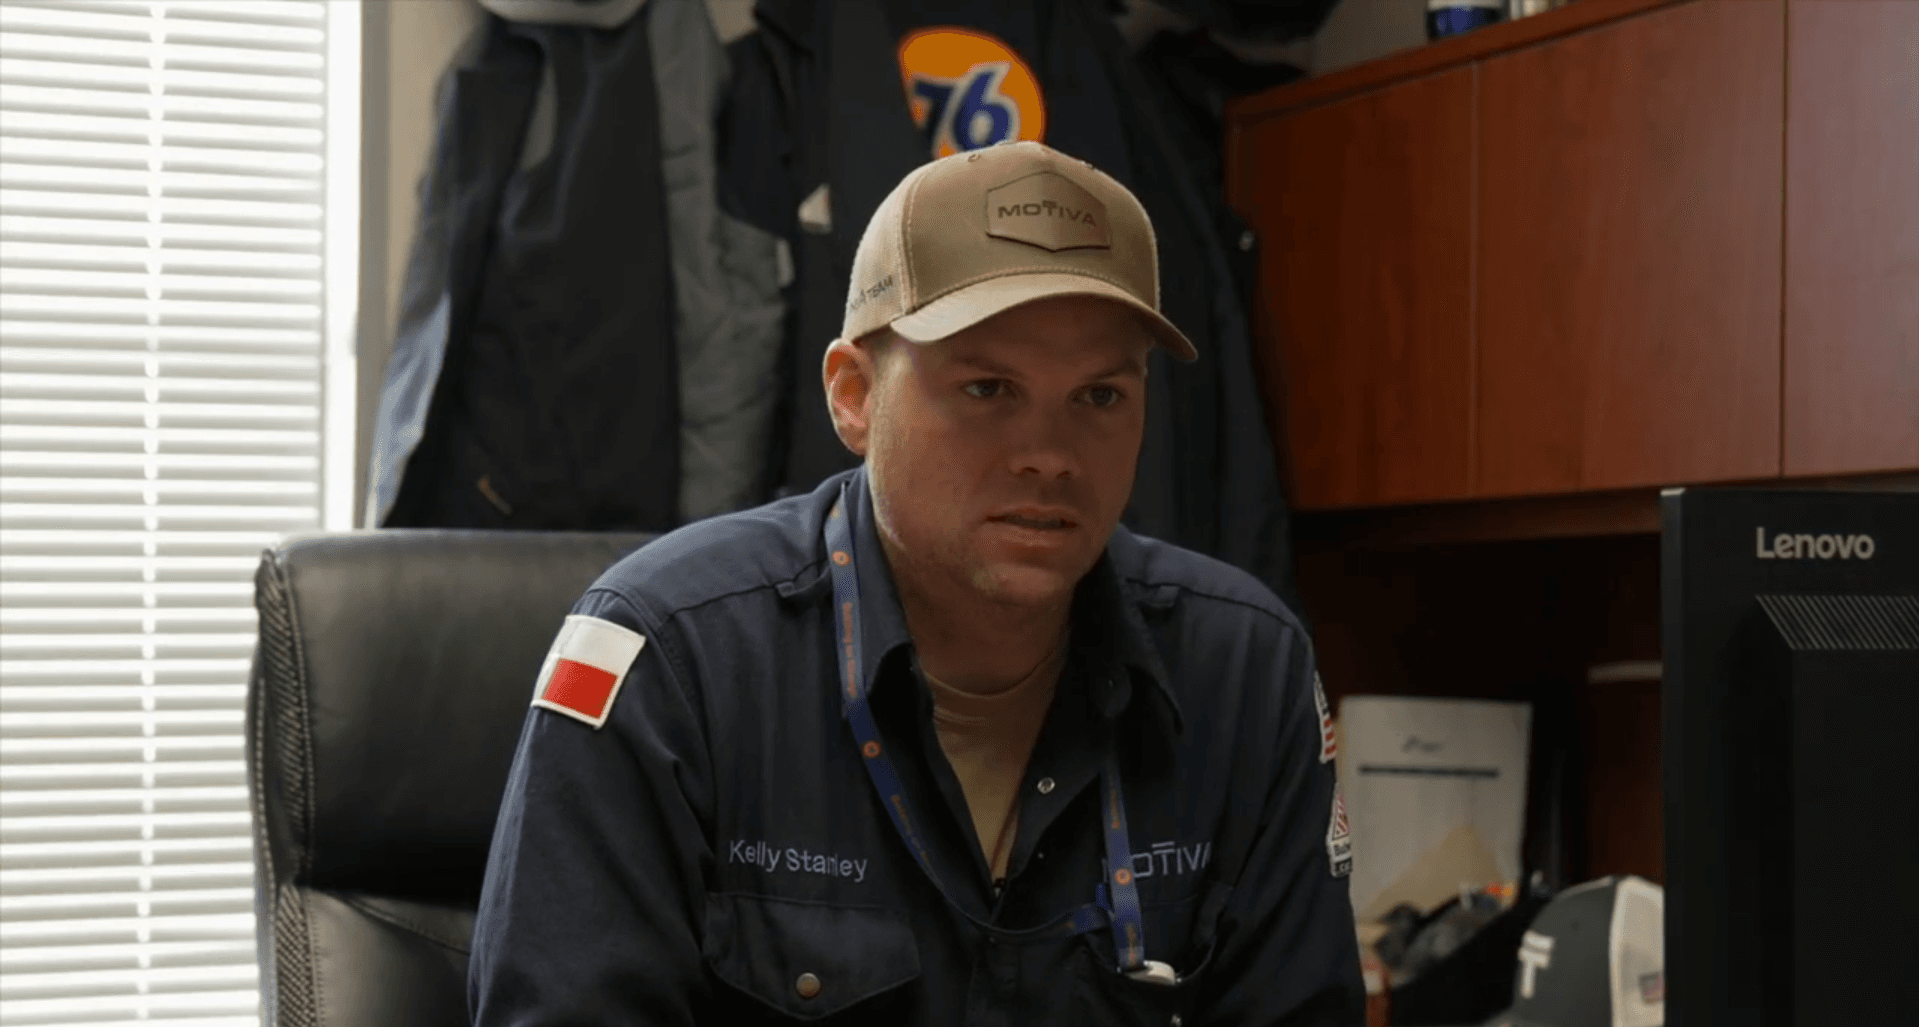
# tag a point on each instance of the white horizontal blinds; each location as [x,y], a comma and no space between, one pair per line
[161,198]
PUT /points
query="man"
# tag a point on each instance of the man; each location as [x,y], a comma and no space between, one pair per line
[939,743]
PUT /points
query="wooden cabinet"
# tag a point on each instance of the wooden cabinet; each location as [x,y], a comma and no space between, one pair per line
[1628,259]
[1514,620]
[1620,752]
[1852,237]
[1547,267]
[1621,245]
[1366,224]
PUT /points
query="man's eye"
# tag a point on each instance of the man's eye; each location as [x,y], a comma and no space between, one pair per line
[985,388]
[1104,395]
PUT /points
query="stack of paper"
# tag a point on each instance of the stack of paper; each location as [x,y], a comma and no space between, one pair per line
[1435,793]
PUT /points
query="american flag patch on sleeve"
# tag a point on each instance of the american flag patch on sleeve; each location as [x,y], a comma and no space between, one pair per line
[1328,735]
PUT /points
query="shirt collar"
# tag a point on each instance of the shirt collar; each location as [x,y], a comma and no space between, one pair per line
[882,619]
[1110,640]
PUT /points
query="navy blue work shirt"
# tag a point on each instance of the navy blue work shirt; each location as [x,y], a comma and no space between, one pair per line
[715,852]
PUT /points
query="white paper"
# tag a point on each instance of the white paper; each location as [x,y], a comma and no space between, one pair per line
[1417,771]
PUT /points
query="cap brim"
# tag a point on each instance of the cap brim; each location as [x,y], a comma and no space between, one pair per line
[963,308]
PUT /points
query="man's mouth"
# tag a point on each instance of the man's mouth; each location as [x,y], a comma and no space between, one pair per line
[1054,523]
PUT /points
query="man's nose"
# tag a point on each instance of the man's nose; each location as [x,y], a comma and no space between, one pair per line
[1045,447]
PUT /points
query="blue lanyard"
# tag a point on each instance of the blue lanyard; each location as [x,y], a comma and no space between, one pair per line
[1116,899]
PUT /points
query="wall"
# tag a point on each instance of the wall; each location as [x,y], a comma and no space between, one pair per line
[408,44]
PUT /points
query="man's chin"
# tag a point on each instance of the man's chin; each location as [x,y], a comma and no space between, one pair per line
[1024,584]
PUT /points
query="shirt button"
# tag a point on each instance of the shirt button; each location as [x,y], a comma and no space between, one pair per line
[1046,786]
[807,986]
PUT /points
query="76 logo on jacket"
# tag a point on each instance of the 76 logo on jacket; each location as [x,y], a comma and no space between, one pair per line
[968,90]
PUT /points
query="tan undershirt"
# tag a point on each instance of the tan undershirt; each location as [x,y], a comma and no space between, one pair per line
[989,739]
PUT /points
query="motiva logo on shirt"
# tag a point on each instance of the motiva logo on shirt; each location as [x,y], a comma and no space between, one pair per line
[1785,546]
[1171,859]
[968,90]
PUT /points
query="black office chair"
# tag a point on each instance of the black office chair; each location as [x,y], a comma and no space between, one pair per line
[393,673]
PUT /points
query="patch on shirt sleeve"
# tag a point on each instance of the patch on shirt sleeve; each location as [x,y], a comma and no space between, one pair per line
[1328,741]
[584,669]
[1339,838]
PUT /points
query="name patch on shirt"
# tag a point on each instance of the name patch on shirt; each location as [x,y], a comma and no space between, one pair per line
[772,858]
[583,671]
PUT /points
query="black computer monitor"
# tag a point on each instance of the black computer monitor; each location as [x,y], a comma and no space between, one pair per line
[1790,623]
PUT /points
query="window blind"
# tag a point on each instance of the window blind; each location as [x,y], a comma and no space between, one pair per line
[162,366]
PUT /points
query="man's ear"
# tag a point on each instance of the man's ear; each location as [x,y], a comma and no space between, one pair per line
[849,374]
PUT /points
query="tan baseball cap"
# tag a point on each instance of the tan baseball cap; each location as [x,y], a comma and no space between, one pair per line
[976,233]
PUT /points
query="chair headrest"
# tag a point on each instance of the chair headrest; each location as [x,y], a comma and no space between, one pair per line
[394,673]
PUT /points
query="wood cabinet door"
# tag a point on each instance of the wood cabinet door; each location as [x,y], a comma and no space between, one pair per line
[1629,253]
[1362,315]
[1852,236]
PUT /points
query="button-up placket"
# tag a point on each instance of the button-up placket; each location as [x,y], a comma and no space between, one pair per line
[903,710]
[1111,663]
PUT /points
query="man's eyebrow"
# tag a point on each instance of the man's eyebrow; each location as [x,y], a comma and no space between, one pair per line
[1130,365]
[978,363]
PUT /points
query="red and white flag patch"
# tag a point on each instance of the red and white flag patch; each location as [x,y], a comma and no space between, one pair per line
[1328,739]
[584,669]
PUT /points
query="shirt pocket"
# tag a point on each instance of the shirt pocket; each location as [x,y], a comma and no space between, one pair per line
[807,960]
[1105,997]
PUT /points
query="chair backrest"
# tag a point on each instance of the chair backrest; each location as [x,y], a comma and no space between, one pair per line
[392,677]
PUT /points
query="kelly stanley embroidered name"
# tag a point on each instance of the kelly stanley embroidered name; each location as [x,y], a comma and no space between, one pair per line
[770,858]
